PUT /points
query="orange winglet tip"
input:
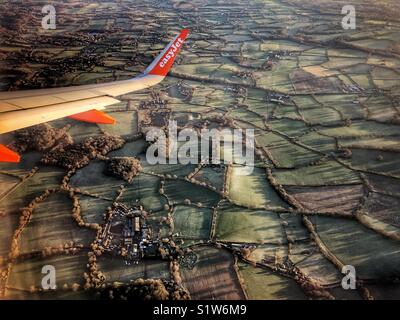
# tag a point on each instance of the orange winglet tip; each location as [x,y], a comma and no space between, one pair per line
[94,116]
[7,155]
[165,60]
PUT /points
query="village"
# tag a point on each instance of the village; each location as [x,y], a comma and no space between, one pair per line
[127,234]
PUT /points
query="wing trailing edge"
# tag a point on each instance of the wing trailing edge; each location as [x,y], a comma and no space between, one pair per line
[14,120]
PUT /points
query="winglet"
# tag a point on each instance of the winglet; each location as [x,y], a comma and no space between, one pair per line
[163,63]
[7,155]
[94,116]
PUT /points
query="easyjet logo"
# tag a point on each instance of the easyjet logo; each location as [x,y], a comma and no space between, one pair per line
[171,52]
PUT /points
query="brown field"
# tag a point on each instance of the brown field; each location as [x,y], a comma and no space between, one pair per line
[308,83]
[213,276]
[319,71]
[325,199]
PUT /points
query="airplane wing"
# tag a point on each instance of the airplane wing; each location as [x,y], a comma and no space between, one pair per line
[21,109]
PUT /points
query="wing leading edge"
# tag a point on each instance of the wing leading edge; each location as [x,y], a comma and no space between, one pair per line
[20,109]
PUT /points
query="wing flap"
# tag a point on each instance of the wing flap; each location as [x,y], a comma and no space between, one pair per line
[34,102]
[58,96]
[7,155]
[5,106]
[18,119]
[28,102]
[94,116]
[77,95]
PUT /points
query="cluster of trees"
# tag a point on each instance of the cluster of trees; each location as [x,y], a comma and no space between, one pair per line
[154,103]
[76,210]
[192,174]
[246,251]
[145,289]
[3,280]
[67,248]
[202,184]
[26,214]
[311,287]
[168,249]
[77,213]
[126,168]
[98,249]
[75,156]
[3,271]
[95,279]
[223,121]
[74,287]
[41,138]
[175,272]
[65,181]
[168,220]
